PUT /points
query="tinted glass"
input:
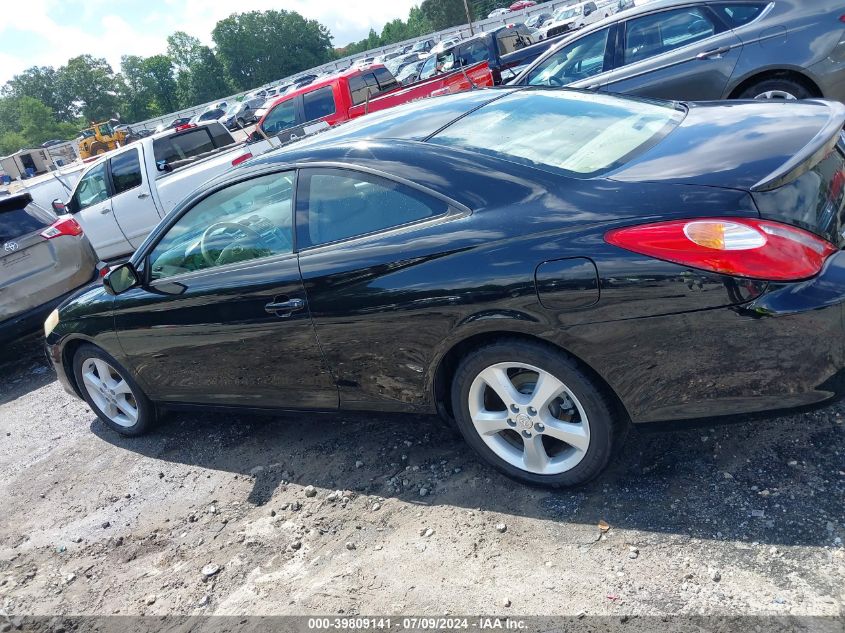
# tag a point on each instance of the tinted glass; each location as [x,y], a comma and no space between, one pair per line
[183,145]
[319,104]
[126,171]
[663,32]
[220,136]
[513,40]
[17,218]
[336,204]
[280,118]
[92,189]
[472,53]
[736,14]
[592,132]
[581,59]
[247,220]
[386,81]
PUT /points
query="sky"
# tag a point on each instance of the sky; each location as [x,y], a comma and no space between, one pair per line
[49,32]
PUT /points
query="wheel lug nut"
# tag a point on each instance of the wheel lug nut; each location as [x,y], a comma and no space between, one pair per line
[526,433]
[511,422]
[532,411]
[539,427]
[514,408]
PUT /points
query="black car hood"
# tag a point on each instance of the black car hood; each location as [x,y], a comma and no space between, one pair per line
[745,145]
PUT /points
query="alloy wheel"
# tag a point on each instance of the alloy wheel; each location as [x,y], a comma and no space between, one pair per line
[776,95]
[110,392]
[529,418]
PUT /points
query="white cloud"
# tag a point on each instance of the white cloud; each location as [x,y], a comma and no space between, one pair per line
[347,20]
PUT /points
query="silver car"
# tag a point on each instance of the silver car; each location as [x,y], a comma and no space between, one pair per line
[706,50]
[42,260]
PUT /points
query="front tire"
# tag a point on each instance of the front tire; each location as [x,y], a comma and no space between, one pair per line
[529,411]
[110,391]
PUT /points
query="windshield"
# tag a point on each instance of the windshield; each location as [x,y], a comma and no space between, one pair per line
[566,14]
[561,131]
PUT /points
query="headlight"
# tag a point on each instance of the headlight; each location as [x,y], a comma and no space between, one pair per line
[51,323]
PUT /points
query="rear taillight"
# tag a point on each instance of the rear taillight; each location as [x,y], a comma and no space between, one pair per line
[65,225]
[756,249]
[241,159]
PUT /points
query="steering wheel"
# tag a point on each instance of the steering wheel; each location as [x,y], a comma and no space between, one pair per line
[210,259]
[554,81]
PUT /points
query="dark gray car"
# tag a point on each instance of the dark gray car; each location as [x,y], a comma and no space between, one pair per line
[42,259]
[706,49]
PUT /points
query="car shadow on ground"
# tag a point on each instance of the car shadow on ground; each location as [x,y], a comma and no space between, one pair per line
[774,481]
[23,367]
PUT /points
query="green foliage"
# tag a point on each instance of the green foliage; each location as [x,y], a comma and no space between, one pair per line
[443,14]
[94,87]
[260,46]
[26,122]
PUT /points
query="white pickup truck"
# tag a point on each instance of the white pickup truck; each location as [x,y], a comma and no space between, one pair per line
[120,198]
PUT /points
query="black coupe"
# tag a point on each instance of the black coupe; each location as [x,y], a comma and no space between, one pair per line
[540,267]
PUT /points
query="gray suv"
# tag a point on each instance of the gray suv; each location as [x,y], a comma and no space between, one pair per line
[706,50]
[42,259]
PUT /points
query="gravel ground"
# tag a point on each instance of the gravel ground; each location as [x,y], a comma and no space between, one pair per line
[237,514]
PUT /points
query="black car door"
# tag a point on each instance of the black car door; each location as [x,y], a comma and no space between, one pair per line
[222,317]
[368,250]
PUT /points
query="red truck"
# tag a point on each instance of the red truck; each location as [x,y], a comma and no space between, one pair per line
[354,92]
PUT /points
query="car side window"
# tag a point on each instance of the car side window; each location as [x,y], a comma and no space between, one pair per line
[739,14]
[337,204]
[280,118]
[182,146]
[666,31]
[126,171]
[93,189]
[581,59]
[248,220]
[319,103]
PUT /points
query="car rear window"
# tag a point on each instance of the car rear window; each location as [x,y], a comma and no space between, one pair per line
[580,134]
[19,216]
[191,143]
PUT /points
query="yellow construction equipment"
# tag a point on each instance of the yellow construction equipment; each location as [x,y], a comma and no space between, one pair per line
[99,139]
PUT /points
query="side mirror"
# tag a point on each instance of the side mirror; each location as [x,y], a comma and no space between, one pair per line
[255,137]
[59,207]
[120,279]
[164,166]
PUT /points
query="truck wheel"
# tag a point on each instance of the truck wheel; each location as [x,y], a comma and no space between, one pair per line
[98,148]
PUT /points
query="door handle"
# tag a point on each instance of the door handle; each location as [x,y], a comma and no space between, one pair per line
[716,52]
[284,308]
[141,196]
[593,87]
[106,210]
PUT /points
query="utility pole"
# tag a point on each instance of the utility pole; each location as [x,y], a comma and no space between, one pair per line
[469,17]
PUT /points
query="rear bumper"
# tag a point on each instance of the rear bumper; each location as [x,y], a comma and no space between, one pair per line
[33,320]
[784,350]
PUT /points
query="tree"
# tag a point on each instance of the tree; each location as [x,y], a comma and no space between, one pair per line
[93,86]
[443,14]
[261,46]
[26,122]
[41,83]
[200,76]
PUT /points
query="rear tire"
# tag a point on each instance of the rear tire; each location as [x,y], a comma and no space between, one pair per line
[550,426]
[111,392]
[776,89]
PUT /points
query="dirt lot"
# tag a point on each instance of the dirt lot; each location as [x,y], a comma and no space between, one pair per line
[370,514]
